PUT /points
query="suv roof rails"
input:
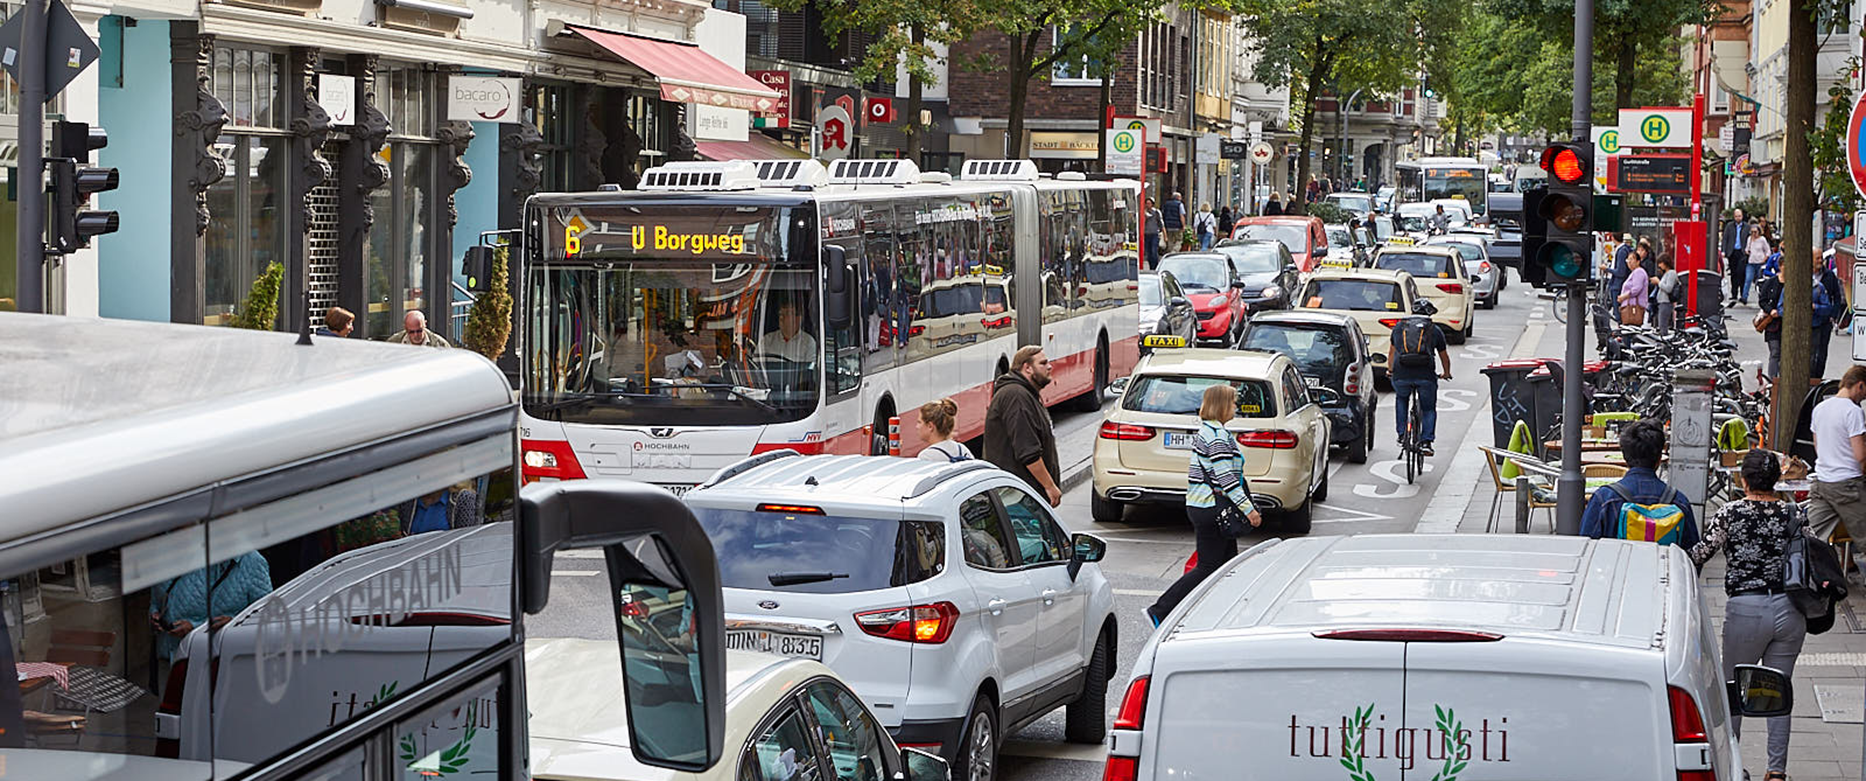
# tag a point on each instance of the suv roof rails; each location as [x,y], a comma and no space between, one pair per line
[951,471]
[747,465]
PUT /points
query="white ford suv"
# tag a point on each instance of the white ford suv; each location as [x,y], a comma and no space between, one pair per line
[945,594]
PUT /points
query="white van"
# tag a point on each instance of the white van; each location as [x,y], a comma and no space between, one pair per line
[1438,656]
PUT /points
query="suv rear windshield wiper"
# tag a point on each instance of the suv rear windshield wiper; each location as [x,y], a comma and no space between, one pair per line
[800,578]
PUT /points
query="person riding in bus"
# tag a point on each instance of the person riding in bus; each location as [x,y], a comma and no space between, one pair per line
[789,341]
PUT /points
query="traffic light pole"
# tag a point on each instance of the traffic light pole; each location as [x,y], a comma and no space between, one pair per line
[1571,487]
[30,246]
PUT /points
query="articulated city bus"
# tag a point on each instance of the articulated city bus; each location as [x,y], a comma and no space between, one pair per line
[235,554]
[1432,178]
[726,309]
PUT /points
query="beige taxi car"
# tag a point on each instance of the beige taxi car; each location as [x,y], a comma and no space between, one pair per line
[1441,277]
[1377,299]
[1145,445]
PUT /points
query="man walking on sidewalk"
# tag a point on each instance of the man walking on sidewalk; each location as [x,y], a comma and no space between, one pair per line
[1735,249]
[1018,435]
[1839,426]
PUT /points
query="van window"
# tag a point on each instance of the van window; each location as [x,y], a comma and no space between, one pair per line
[785,752]
[850,735]
[867,553]
[982,533]
[1359,295]
[1037,541]
[1179,395]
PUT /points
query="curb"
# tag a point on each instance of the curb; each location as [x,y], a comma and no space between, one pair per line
[1076,474]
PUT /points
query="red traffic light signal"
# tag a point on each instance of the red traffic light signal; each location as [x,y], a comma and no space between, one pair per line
[1567,163]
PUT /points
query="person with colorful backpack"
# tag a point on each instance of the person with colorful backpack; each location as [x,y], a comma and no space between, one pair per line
[1640,506]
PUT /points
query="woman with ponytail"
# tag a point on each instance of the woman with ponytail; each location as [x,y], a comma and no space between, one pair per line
[936,422]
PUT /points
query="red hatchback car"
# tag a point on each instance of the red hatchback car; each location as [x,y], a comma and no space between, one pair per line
[1217,294]
[1305,236]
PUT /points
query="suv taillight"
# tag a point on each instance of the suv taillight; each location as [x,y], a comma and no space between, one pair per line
[1688,728]
[1273,440]
[1391,322]
[546,459]
[931,623]
[1128,431]
[1451,287]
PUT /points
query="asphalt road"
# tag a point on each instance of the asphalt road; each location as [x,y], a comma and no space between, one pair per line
[1149,548]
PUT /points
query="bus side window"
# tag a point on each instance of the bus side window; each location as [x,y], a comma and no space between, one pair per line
[844,369]
[882,328]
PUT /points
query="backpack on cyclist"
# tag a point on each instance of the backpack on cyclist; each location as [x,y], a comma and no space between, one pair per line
[1649,519]
[1412,340]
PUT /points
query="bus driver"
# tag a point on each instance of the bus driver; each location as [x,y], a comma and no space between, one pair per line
[789,341]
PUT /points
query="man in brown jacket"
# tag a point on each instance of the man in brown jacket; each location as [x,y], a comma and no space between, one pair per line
[1018,436]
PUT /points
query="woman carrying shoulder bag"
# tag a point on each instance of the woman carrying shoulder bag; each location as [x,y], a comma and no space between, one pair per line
[1761,623]
[1215,486]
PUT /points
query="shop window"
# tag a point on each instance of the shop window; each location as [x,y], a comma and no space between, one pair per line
[551,112]
[246,81]
[248,229]
[396,263]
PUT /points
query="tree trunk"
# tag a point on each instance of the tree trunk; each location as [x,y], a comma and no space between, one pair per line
[1797,232]
[1016,146]
[1626,74]
[1101,142]
[1317,75]
[915,131]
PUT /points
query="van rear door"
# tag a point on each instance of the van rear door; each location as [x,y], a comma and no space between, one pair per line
[1533,709]
[1275,708]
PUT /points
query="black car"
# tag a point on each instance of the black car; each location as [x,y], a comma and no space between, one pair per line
[1331,352]
[1267,268]
[1165,310]
[1506,214]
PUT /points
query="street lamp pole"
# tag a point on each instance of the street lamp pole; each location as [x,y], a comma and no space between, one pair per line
[1341,109]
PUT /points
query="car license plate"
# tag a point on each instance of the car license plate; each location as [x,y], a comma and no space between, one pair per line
[779,643]
[1178,440]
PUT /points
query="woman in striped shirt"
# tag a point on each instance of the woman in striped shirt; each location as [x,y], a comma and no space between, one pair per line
[1217,466]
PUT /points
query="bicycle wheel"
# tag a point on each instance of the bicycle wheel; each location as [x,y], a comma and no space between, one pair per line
[1561,306]
[1409,450]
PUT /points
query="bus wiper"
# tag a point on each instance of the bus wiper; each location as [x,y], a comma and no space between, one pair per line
[734,390]
[560,402]
[800,578]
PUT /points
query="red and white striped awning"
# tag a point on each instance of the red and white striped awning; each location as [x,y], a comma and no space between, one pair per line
[686,74]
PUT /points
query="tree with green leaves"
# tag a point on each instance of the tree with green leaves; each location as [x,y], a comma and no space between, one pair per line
[1313,45]
[260,312]
[905,34]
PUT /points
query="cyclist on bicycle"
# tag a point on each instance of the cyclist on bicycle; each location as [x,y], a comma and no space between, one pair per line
[1409,362]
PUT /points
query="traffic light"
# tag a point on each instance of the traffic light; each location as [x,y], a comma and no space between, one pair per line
[1567,252]
[72,181]
[1535,235]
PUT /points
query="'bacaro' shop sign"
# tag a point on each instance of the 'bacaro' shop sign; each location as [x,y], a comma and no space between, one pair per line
[483,99]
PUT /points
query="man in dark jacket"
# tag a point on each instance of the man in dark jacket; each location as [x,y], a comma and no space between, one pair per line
[1018,437]
[1735,247]
[1173,217]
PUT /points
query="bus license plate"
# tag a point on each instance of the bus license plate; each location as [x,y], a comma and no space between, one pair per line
[800,646]
[1178,440]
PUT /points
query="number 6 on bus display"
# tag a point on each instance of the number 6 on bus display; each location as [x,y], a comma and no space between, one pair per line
[665,587]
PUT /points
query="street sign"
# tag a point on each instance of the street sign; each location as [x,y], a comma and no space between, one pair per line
[1856,145]
[1150,126]
[1858,326]
[1661,127]
[68,50]
[1650,174]
[1124,156]
[835,133]
[1233,150]
[1261,153]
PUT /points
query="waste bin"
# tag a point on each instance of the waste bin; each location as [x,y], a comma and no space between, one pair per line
[1525,389]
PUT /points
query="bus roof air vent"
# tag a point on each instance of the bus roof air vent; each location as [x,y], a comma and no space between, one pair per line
[698,175]
[999,171]
[854,171]
[791,173]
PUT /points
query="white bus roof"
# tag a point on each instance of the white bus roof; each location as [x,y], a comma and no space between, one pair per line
[1462,161]
[175,423]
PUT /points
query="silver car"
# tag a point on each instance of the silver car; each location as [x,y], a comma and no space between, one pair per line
[1485,275]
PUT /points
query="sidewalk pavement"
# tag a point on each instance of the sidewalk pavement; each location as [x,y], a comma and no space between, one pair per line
[1829,721]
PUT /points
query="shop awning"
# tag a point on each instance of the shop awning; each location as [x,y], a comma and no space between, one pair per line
[757,146]
[686,74]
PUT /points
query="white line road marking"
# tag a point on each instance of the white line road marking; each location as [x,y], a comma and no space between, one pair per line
[1353,516]
[1480,352]
[1144,540]
[580,554]
[1389,472]
[1135,592]
[1531,340]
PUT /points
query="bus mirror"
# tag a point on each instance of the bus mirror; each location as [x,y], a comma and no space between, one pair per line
[477,266]
[669,612]
[836,298]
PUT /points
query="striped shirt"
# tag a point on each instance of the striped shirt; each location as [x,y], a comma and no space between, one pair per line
[1216,461]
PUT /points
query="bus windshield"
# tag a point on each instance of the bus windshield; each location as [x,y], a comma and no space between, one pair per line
[672,315]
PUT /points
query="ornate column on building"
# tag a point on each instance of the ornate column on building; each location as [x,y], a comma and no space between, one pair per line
[306,168]
[454,175]
[592,142]
[361,172]
[198,119]
[519,167]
